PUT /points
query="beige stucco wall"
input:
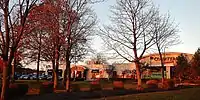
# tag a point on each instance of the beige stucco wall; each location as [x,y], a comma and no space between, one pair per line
[123,66]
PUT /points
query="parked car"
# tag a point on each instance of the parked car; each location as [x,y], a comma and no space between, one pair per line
[60,78]
[17,76]
[24,77]
[43,77]
[33,77]
[49,77]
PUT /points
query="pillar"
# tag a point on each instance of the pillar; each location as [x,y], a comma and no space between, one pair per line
[168,72]
[82,74]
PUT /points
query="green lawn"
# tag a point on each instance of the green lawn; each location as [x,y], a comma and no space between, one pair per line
[184,94]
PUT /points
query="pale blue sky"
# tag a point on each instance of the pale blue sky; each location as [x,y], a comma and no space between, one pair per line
[185,12]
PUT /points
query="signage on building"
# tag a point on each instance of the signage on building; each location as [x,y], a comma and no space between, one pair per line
[166,59]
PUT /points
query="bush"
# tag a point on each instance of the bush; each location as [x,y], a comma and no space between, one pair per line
[95,86]
[152,83]
[13,89]
[23,88]
[46,87]
[129,81]
[118,85]
[189,81]
[168,84]
[75,87]
[17,90]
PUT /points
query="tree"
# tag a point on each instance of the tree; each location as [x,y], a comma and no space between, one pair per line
[41,18]
[131,32]
[109,70]
[16,63]
[13,16]
[68,37]
[182,67]
[34,48]
[99,58]
[42,43]
[52,10]
[195,63]
[77,24]
[166,36]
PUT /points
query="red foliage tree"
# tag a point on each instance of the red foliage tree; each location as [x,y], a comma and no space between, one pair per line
[45,17]
[65,33]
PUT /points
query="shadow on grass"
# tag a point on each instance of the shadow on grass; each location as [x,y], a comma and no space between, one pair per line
[108,93]
[97,94]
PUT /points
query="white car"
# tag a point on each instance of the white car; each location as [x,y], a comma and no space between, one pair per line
[24,77]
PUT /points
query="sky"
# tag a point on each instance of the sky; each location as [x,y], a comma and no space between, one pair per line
[186,14]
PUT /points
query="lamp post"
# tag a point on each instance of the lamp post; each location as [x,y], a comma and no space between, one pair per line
[164,53]
[164,60]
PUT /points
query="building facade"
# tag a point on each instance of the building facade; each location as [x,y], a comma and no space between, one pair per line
[151,68]
[153,64]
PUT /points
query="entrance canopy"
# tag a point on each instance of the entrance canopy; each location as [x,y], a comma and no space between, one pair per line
[78,68]
[159,65]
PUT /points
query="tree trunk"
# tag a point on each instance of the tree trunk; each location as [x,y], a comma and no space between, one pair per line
[6,75]
[13,71]
[38,67]
[162,64]
[162,69]
[55,79]
[163,77]
[139,81]
[56,66]
[13,74]
[180,80]
[64,78]
[68,76]
[55,76]
[13,67]
[5,81]
[38,60]
[6,70]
